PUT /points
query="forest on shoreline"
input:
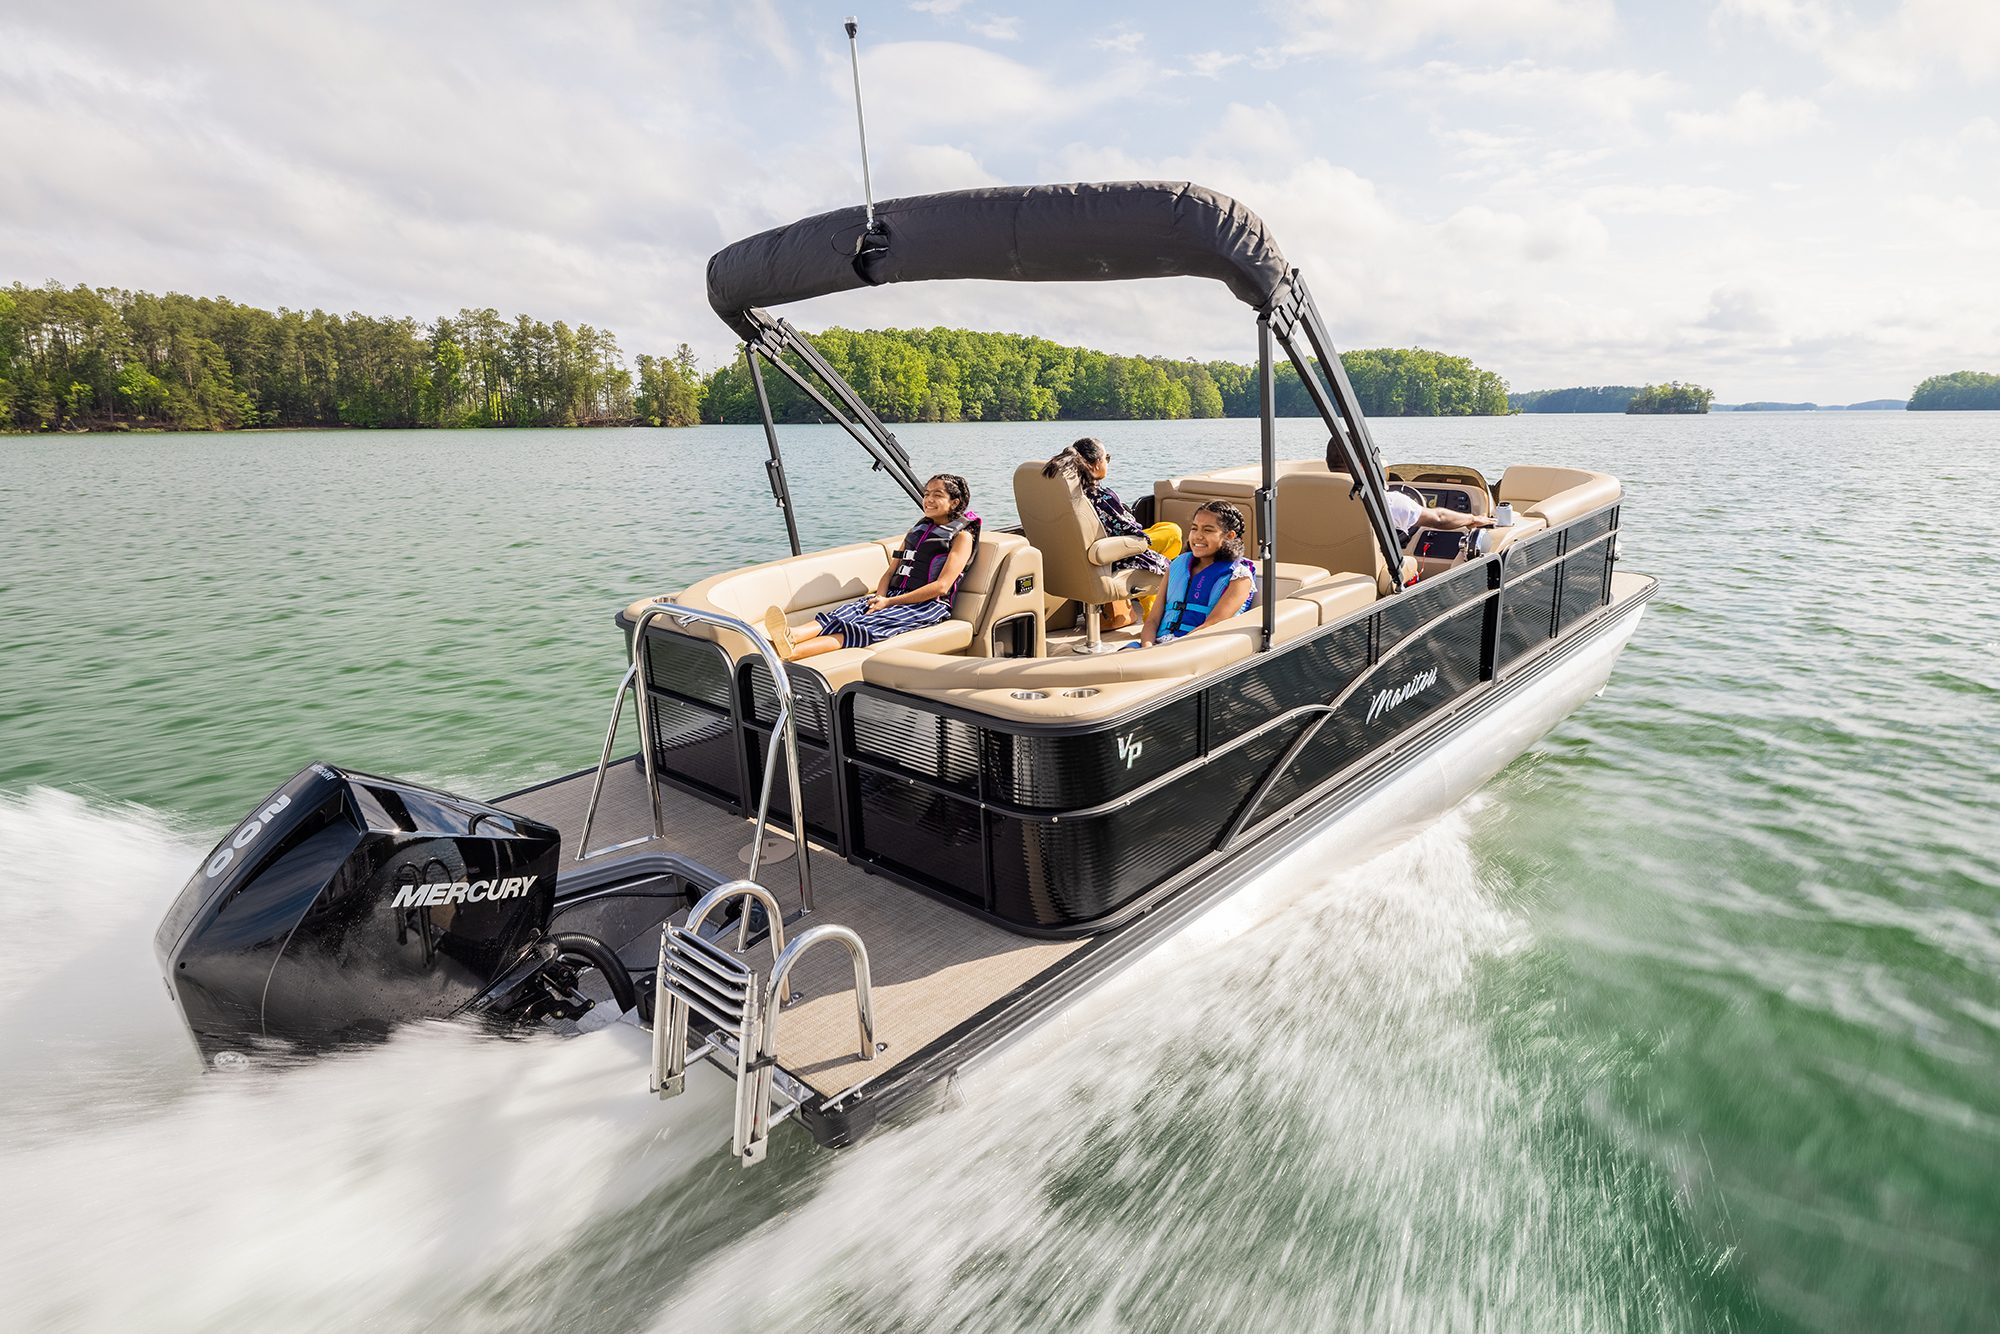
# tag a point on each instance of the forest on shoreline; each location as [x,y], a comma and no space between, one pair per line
[98,359]
[104,359]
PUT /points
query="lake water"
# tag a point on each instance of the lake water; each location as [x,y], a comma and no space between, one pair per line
[1690,1020]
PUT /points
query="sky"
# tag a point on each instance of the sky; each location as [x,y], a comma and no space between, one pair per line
[1779,199]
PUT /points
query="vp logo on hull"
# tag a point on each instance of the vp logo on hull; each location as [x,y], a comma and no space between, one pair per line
[1129,748]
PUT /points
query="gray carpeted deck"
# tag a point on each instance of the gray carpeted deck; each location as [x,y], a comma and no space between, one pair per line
[932,966]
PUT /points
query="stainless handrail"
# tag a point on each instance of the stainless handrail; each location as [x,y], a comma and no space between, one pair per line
[754,1103]
[787,725]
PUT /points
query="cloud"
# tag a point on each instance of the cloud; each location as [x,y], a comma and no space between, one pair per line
[997,29]
[1210,64]
[1753,118]
[943,86]
[1378,30]
[1613,94]
[1123,39]
[1916,42]
[1738,310]
[1668,200]
[939,7]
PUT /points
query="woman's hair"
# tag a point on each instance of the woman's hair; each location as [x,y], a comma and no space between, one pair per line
[1077,460]
[1233,526]
[955,487]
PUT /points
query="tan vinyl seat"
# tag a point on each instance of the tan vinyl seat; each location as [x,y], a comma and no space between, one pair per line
[1320,523]
[1001,583]
[1557,495]
[1077,554]
[1175,499]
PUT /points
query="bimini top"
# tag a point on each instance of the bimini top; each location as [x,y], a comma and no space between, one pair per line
[1091,232]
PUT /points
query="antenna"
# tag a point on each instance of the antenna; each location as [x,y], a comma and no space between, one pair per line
[860,121]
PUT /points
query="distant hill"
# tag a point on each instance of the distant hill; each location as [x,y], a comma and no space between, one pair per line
[1589,398]
[1872,405]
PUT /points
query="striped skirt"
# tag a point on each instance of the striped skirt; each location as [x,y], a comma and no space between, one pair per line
[858,627]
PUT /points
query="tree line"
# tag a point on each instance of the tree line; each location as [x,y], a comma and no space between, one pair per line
[91,359]
[1586,398]
[102,358]
[953,375]
[1959,391]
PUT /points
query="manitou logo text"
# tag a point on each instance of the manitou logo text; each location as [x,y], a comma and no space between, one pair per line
[251,828]
[1386,700]
[460,891]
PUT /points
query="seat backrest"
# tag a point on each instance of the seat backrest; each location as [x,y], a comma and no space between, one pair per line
[1321,523]
[1003,580]
[1060,521]
[1557,494]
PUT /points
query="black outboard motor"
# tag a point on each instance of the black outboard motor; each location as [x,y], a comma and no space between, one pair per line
[347,904]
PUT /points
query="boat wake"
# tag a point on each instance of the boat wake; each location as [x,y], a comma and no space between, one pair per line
[1288,1116]
[381,1186]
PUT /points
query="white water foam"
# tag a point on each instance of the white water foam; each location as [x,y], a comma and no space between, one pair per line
[1286,1118]
[372,1188]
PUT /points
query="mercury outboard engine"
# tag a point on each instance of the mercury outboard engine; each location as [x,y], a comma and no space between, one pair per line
[347,904]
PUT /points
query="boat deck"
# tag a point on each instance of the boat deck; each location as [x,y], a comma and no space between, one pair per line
[932,967]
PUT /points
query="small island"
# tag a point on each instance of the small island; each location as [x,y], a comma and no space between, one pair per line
[1961,391]
[1673,397]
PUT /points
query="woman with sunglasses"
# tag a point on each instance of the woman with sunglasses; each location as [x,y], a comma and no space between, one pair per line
[1088,462]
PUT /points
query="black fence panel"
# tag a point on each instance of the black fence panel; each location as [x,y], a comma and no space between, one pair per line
[817,784]
[915,740]
[1090,768]
[1527,615]
[930,837]
[1308,673]
[691,668]
[697,745]
[809,697]
[1056,874]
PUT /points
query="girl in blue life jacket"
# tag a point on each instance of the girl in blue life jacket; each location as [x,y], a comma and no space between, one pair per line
[1210,581]
[917,588]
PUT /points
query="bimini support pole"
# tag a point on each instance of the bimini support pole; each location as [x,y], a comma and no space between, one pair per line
[1267,510]
[774,467]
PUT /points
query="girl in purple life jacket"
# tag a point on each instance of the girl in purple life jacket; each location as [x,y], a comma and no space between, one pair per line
[917,588]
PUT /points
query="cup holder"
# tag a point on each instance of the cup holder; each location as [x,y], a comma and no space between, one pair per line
[1081,692]
[1028,694]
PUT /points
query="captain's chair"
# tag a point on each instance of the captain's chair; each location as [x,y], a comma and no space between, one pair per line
[1077,554]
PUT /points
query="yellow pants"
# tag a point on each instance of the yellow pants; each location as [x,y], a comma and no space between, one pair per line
[1165,538]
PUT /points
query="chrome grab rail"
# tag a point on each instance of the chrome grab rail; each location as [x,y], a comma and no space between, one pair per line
[787,725]
[753,1100]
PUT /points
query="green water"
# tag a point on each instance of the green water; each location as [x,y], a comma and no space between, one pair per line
[1691,1020]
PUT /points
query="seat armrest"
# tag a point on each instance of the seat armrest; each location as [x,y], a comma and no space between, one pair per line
[948,636]
[1109,550]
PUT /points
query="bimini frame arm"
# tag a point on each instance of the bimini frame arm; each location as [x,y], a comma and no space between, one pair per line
[1292,313]
[776,337]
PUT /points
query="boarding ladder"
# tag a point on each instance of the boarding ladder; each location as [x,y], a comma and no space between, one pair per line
[696,976]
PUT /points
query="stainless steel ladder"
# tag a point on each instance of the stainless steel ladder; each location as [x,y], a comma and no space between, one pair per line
[696,976]
[786,727]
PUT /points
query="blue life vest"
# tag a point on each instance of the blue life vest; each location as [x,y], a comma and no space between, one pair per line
[925,547]
[1192,596]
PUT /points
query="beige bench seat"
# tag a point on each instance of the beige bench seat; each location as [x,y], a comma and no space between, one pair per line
[1002,581]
